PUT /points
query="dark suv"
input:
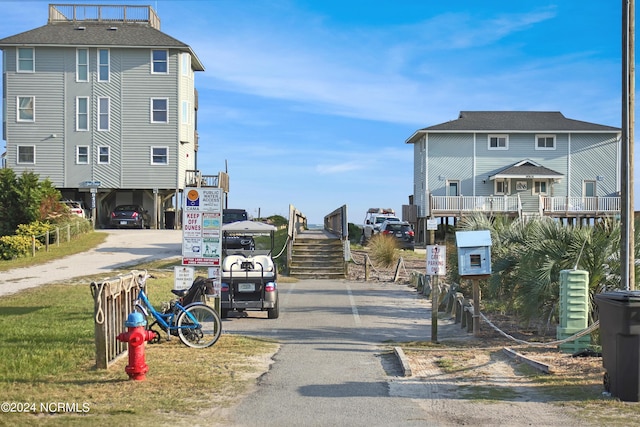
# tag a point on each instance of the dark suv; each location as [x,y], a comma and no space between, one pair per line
[236,242]
[401,231]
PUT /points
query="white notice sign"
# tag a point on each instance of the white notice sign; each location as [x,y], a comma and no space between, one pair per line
[436,260]
[183,277]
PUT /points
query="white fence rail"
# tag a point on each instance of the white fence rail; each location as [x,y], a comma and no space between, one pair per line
[475,203]
[581,204]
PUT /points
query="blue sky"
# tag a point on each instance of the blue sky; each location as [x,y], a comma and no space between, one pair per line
[309,102]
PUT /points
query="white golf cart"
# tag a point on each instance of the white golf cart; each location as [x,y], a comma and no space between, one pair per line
[249,275]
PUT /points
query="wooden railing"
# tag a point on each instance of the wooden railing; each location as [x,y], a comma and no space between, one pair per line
[113,300]
[468,204]
[195,178]
[297,223]
[336,222]
[576,205]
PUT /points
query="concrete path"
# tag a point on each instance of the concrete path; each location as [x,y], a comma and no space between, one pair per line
[121,248]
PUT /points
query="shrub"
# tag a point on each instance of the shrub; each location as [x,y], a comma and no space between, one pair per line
[16,246]
[383,250]
[35,228]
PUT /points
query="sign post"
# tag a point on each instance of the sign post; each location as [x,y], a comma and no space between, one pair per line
[436,266]
[202,232]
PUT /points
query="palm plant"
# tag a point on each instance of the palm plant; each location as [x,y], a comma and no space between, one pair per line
[528,256]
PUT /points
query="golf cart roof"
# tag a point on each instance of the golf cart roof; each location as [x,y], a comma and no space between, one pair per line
[248,227]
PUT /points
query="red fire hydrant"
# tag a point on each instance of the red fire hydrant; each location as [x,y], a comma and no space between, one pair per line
[136,336]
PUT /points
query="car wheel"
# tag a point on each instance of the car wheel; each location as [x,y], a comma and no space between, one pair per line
[274,313]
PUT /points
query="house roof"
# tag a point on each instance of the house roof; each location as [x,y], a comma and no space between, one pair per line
[99,34]
[526,169]
[512,122]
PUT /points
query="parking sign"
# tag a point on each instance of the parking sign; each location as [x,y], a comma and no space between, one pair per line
[436,260]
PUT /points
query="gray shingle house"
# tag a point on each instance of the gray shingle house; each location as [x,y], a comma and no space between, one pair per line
[519,163]
[103,103]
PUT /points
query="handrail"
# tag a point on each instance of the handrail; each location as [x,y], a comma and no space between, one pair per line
[297,223]
[336,222]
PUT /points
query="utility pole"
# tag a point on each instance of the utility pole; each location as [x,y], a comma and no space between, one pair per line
[627,243]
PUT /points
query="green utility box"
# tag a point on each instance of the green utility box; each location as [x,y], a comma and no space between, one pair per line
[574,309]
[620,336]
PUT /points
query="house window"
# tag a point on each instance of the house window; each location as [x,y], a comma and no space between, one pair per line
[82,113]
[82,154]
[159,156]
[186,64]
[159,62]
[103,113]
[498,142]
[26,109]
[82,65]
[545,142]
[501,187]
[26,60]
[159,110]
[185,112]
[104,155]
[539,187]
[26,154]
[103,65]
[589,189]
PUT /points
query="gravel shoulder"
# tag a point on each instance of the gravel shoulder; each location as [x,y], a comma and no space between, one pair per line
[464,380]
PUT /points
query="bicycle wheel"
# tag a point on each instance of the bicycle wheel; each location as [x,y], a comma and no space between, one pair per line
[206,329]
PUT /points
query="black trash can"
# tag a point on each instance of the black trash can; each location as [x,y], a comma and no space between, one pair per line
[620,337]
[169,219]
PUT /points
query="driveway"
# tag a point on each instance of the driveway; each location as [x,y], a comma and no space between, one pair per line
[121,248]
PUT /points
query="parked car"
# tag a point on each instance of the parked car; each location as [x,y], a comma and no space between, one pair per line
[76,207]
[236,241]
[402,232]
[129,216]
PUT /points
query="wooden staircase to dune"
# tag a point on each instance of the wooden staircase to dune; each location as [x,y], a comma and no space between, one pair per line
[317,254]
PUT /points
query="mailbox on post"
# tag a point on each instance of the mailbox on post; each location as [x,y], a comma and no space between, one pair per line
[474,252]
[474,262]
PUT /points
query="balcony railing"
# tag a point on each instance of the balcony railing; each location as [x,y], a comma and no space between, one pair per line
[580,205]
[468,204]
[195,178]
[549,206]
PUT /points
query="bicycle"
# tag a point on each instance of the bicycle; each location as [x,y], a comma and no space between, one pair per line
[196,324]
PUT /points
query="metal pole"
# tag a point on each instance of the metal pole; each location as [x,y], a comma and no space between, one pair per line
[627,243]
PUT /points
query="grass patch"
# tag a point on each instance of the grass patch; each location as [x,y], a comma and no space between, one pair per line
[48,355]
[383,250]
[80,243]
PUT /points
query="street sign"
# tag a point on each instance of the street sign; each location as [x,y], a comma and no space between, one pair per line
[432,224]
[91,184]
[436,260]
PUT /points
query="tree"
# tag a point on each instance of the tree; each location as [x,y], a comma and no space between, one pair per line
[25,199]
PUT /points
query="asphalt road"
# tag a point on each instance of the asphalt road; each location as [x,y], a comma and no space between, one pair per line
[121,248]
[334,367]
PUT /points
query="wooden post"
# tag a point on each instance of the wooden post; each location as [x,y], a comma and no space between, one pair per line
[366,268]
[476,307]
[435,296]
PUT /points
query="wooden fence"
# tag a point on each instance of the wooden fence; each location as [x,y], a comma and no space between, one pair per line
[113,300]
[450,301]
